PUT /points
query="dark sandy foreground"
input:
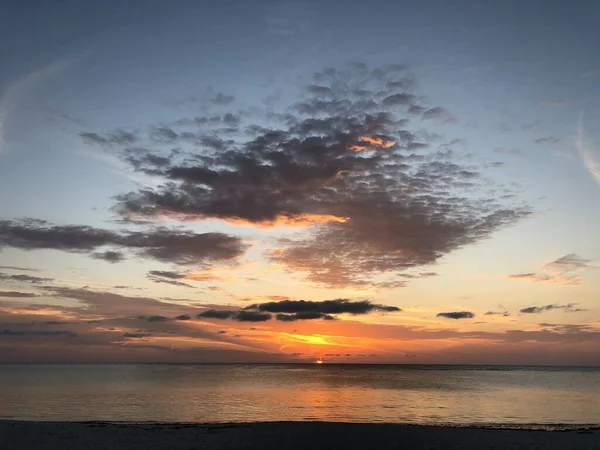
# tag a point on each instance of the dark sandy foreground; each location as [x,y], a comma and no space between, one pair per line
[17,435]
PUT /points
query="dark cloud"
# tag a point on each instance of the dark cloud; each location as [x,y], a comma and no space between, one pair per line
[338,306]
[456,315]
[240,316]
[173,275]
[156,318]
[497,313]
[222,332]
[183,317]
[216,314]
[174,246]
[304,315]
[15,294]
[110,256]
[539,309]
[341,157]
[251,316]
[294,310]
[24,278]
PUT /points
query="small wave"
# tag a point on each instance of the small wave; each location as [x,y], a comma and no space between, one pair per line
[523,426]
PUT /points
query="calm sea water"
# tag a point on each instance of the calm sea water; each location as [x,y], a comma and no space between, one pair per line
[240,393]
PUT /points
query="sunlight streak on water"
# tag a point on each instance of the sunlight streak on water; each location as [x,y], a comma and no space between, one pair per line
[242,393]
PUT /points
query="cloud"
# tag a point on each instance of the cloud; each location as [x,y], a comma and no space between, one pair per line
[497,313]
[18,94]
[222,99]
[547,140]
[341,161]
[22,269]
[216,314]
[155,318]
[183,317]
[586,153]
[162,244]
[339,306]
[168,277]
[12,332]
[304,315]
[167,274]
[251,316]
[398,99]
[559,271]
[294,310]
[14,294]
[540,309]
[240,316]
[102,303]
[117,137]
[24,278]
[439,113]
[110,256]
[456,315]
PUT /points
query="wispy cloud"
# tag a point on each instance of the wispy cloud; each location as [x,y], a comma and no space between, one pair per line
[16,95]
[539,309]
[559,271]
[586,152]
[551,140]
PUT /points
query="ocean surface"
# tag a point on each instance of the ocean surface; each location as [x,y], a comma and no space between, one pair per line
[454,395]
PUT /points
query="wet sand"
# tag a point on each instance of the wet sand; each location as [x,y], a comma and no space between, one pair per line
[22,435]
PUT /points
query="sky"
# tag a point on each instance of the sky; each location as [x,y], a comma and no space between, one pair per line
[288,181]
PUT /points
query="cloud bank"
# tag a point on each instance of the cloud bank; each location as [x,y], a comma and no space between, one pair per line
[349,160]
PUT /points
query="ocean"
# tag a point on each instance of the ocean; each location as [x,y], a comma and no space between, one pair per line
[514,397]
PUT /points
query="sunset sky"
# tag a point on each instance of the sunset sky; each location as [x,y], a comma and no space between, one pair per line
[273,181]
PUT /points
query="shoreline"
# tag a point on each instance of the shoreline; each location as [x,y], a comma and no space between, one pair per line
[549,427]
[50,435]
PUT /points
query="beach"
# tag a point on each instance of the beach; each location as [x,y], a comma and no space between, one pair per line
[24,435]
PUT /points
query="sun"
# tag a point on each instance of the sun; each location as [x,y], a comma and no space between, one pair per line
[319,361]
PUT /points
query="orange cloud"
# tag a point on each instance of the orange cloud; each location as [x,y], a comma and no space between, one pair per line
[300,220]
[209,275]
[372,141]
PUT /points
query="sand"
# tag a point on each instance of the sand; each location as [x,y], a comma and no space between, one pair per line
[21,435]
